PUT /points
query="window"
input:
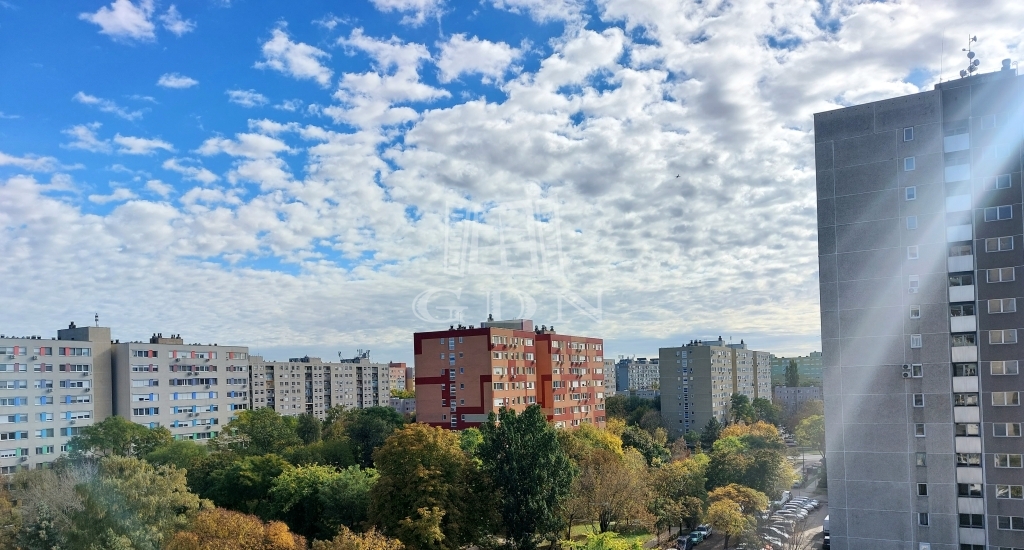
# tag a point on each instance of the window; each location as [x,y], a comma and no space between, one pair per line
[1001,181]
[908,134]
[998,244]
[1006,429]
[965,369]
[922,489]
[975,521]
[915,312]
[911,222]
[918,430]
[996,213]
[968,459]
[915,283]
[1015,523]
[965,400]
[971,490]
[1002,305]
[1006,336]
[911,193]
[918,399]
[962,310]
[915,340]
[909,164]
[1010,491]
[1005,398]
[961,280]
[967,429]
[960,250]
[922,518]
[917,370]
[964,340]
[922,459]
[912,252]
[1003,367]
[1003,460]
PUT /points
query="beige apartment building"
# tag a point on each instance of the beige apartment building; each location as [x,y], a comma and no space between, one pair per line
[699,379]
[308,385]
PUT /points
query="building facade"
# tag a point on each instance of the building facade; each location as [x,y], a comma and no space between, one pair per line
[308,385]
[919,243]
[637,374]
[699,379]
[464,373]
[808,366]
[610,384]
[790,399]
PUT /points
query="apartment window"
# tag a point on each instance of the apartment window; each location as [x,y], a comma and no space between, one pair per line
[911,222]
[915,284]
[965,369]
[960,340]
[1015,523]
[908,134]
[974,521]
[918,399]
[1005,398]
[960,250]
[1010,491]
[922,518]
[971,429]
[915,312]
[909,164]
[1002,368]
[922,489]
[1006,429]
[968,459]
[912,252]
[460,339]
[961,280]
[965,400]
[1006,336]
[998,244]
[999,275]
[1002,305]
[962,310]
[911,193]
[918,430]
[1003,460]
[996,213]
[1002,181]
[915,340]
[971,490]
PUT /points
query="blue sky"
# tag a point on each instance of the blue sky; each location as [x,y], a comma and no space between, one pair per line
[315,177]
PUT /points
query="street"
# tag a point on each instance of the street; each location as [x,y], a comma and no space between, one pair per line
[808,535]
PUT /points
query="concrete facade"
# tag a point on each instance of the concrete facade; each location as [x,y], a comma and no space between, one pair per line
[919,243]
[637,374]
[790,399]
[809,366]
[308,385]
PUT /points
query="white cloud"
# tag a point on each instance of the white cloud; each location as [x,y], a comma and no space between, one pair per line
[106,106]
[175,80]
[124,20]
[140,146]
[543,11]
[247,98]
[295,59]
[290,105]
[195,173]
[209,196]
[84,138]
[118,195]
[31,163]
[174,23]
[421,9]
[4,115]
[461,56]
[160,188]
[247,145]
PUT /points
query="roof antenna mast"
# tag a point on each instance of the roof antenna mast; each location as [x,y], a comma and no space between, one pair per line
[972,62]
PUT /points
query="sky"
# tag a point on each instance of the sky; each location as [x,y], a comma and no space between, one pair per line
[319,177]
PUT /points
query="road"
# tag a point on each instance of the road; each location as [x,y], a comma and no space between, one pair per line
[810,536]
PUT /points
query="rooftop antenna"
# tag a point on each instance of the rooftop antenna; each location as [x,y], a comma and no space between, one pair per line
[97,317]
[972,63]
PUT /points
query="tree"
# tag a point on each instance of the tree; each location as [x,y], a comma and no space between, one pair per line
[403,394]
[530,471]
[639,439]
[811,433]
[116,436]
[470,440]
[710,433]
[369,428]
[750,455]
[309,429]
[48,501]
[245,485]
[741,409]
[370,540]
[130,501]
[679,491]
[9,521]
[220,529]
[316,500]
[750,501]
[181,454]
[766,411]
[430,494]
[726,517]
[807,409]
[792,374]
[260,431]
[612,488]
[605,541]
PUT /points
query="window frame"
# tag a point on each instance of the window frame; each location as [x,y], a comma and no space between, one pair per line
[915,312]
[918,400]
[910,193]
[908,134]
[916,341]
[997,213]
[911,223]
[909,164]
[1003,365]
[919,429]
[999,242]
[999,337]
[999,272]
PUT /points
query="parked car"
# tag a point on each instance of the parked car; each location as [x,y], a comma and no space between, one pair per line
[696,537]
[683,543]
[705,529]
[826,544]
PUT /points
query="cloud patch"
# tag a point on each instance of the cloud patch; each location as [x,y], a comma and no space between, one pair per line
[295,59]
[460,55]
[195,173]
[106,106]
[123,20]
[175,24]
[417,10]
[118,195]
[32,163]
[176,81]
[130,145]
[247,98]
[83,137]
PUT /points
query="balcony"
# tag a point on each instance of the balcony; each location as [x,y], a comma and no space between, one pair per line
[957,233]
[960,263]
[966,414]
[958,172]
[964,354]
[958,142]
[965,384]
[961,293]
[967,444]
[969,505]
[964,323]
[958,203]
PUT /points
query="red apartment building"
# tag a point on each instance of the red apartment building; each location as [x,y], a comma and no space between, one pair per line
[464,373]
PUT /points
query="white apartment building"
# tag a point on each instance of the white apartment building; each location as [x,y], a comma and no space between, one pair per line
[308,385]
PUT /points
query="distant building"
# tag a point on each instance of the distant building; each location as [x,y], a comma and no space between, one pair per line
[790,399]
[464,373]
[610,384]
[397,372]
[404,406]
[809,366]
[699,379]
[308,385]
[637,374]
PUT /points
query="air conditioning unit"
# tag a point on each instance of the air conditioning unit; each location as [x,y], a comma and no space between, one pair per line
[49,390]
[177,359]
[34,357]
[88,389]
[906,375]
[86,373]
[913,290]
[906,367]
[10,357]
[207,386]
[23,459]
[72,422]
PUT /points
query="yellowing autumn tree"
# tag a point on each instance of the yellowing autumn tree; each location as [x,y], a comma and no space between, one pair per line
[348,540]
[220,529]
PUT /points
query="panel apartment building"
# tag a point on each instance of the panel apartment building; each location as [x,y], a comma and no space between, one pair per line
[464,373]
[808,366]
[919,243]
[637,375]
[308,385]
[699,379]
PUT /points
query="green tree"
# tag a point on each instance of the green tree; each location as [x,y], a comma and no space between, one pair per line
[339,453]
[403,394]
[181,454]
[260,431]
[752,456]
[679,491]
[346,499]
[808,409]
[430,494]
[316,500]
[245,485]
[792,374]
[741,409]
[368,429]
[116,436]
[309,429]
[726,517]
[470,440]
[531,472]
[811,433]
[612,487]
[130,504]
[48,501]
[709,434]
[766,411]
[641,440]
